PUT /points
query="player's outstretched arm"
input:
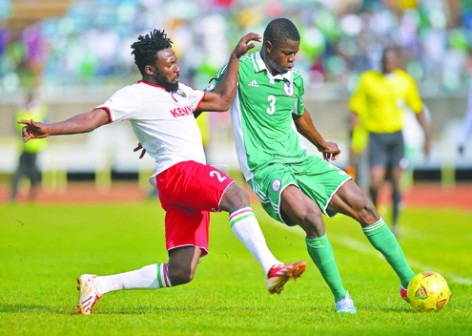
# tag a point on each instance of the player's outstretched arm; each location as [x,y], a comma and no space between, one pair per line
[220,99]
[305,127]
[81,123]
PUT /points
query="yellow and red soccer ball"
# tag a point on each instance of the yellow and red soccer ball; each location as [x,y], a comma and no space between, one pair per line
[428,292]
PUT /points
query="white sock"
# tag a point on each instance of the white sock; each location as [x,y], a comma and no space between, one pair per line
[148,277]
[247,229]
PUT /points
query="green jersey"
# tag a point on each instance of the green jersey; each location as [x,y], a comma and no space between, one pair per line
[261,114]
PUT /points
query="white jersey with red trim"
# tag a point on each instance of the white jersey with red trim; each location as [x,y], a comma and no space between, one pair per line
[163,121]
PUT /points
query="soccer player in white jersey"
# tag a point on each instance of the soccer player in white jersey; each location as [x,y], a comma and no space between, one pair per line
[294,187]
[161,111]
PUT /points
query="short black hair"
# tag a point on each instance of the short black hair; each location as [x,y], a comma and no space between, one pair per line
[281,29]
[146,48]
[391,48]
[394,49]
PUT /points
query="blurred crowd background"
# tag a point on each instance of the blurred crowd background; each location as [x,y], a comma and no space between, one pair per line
[75,53]
[88,42]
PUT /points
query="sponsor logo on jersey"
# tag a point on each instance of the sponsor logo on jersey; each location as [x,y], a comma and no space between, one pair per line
[253,83]
[288,88]
[181,111]
[276,185]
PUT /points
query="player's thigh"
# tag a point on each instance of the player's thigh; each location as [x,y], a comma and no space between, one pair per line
[351,201]
[396,150]
[378,150]
[296,207]
[23,166]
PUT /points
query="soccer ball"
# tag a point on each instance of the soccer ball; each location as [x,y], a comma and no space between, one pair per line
[428,291]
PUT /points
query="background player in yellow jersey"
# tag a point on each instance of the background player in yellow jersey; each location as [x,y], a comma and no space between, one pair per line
[27,163]
[379,105]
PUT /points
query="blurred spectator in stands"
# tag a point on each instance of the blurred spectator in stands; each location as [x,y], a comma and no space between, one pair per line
[467,123]
[27,163]
[343,38]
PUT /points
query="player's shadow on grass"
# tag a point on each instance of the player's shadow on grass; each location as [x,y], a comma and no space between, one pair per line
[164,311]
[34,308]
[405,310]
[148,309]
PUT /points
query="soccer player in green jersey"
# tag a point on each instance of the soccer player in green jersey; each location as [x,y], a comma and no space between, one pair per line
[294,187]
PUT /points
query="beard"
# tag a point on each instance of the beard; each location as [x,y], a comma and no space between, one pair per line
[162,81]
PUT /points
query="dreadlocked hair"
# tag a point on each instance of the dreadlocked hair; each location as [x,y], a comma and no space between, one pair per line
[146,48]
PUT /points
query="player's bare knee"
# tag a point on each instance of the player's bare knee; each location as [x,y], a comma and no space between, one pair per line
[367,214]
[180,276]
[234,198]
[313,224]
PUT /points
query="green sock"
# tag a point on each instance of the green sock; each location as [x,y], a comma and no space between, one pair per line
[321,253]
[385,242]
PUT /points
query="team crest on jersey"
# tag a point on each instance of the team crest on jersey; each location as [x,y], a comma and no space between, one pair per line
[276,185]
[181,93]
[288,88]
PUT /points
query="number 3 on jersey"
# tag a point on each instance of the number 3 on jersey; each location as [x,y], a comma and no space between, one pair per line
[216,173]
[271,109]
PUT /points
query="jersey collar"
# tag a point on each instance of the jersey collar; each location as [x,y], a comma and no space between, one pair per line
[151,84]
[259,66]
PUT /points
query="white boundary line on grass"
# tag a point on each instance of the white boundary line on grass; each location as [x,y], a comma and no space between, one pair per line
[370,250]
[364,248]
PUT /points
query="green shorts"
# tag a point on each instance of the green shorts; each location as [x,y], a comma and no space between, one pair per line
[317,178]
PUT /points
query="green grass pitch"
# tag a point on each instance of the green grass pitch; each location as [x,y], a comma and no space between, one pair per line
[44,247]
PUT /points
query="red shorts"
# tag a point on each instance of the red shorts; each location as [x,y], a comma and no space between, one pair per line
[188,191]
